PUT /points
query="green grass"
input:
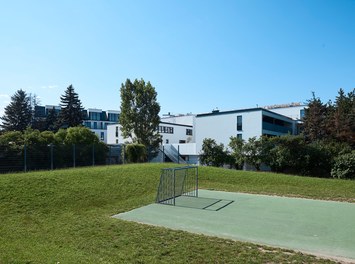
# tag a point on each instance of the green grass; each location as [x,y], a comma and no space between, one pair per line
[65,216]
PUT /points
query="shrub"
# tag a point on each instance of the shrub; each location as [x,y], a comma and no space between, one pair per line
[344,167]
[136,153]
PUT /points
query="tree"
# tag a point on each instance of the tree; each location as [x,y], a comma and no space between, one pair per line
[315,120]
[18,114]
[71,113]
[342,122]
[139,116]
[236,145]
[213,154]
[253,152]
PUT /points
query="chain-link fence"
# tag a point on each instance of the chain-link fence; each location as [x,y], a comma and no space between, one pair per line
[15,158]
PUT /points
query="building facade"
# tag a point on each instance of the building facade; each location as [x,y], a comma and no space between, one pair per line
[96,120]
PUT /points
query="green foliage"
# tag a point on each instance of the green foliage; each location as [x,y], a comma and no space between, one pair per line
[331,121]
[344,167]
[71,114]
[236,145]
[139,116]
[253,152]
[18,114]
[213,154]
[80,135]
[136,153]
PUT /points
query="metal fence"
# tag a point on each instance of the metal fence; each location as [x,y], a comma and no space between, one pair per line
[48,157]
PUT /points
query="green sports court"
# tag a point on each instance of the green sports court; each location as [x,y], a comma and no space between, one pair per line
[324,228]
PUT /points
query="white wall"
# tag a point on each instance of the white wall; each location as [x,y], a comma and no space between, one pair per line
[292,112]
[221,127]
[179,134]
[180,119]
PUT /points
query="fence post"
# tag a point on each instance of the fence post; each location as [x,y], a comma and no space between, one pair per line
[93,154]
[51,146]
[174,185]
[148,153]
[110,155]
[123,155]
[74,155]
[178,155]
[25,158]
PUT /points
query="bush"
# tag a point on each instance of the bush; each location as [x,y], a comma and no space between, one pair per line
[213,154]
[136,153]
[344,167]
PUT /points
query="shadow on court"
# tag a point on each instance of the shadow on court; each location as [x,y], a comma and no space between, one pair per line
[323,228]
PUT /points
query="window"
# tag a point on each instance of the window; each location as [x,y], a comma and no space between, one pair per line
[165,129]
[102,136]
[301,113]
[87,124]
[94,116]
[95,125]
[167,141]
[189,132]
[116,131]
[116,141]
[240,136]
[239,123]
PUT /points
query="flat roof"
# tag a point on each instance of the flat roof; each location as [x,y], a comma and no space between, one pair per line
[215,113]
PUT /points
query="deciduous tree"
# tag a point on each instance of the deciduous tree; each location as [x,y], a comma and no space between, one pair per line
[139,116]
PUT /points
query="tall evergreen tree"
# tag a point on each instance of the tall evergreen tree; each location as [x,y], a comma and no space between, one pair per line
[18,114]
[342,123]
[315,120]
[71,113]
[139,116]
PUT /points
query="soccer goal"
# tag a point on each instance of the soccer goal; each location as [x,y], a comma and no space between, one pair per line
[177,182]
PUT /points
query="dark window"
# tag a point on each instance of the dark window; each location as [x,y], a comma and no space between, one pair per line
[301,113]
[189,132]
[116,131]
[102,136]
[240,136]
[239,123]
[167,130]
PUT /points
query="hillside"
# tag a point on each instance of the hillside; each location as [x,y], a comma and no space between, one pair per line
[65,216]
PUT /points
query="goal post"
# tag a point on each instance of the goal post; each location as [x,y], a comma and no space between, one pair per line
[176,182]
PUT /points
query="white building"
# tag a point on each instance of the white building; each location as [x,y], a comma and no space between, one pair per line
[177,141]
[183,134]
[94,119]
[98,120]
[244,124]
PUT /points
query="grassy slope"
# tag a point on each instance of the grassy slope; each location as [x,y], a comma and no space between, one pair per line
[64,216]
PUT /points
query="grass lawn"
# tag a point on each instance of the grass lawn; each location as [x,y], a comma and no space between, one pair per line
[64,216]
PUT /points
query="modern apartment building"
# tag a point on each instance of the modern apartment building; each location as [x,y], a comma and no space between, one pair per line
[243,123]
[95,119]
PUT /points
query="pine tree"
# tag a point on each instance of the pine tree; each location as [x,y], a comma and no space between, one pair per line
[343,117]
[51,120]
[139,116]
[71,109]
[315,120]
[18,114]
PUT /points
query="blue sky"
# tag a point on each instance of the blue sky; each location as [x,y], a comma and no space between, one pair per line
[198,54]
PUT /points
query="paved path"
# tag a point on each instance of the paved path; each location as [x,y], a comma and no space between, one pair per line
[320,227]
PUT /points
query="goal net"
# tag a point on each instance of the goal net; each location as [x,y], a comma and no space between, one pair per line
[176,182]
